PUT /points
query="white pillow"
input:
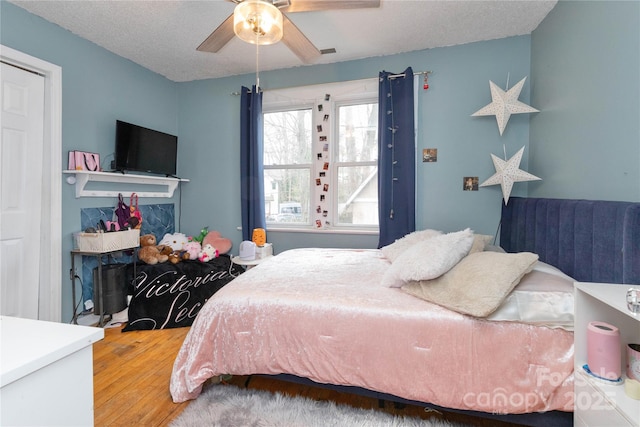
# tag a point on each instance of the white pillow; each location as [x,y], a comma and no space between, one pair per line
[429,258]
[393,250]
[544,297]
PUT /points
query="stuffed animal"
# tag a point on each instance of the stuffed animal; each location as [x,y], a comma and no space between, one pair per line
[149,252]
[200,237]
[207,253]
[191,250]
[175,257]
[176,241]
[215,239]
[165,250]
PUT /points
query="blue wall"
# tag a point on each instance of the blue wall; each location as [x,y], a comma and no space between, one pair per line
[459,86]
[98,87]
[582,65]
[585,142]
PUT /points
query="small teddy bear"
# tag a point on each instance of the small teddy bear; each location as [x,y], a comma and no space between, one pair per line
[175,257]
[149,252]
[164,249]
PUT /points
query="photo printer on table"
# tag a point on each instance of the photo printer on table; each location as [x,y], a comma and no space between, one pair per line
[603,353]
[264,251]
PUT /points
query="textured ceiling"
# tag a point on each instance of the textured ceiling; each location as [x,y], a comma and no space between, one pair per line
[163,35]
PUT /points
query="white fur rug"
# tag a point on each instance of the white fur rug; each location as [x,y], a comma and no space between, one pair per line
[230,406]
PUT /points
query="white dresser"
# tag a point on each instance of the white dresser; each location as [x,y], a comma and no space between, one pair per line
[598,404]
[46,373]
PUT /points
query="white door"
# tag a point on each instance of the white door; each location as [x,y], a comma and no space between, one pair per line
[21,156]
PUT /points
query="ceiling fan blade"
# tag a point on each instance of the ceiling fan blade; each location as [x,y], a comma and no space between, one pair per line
[316,5]
[220,37]
[298,42]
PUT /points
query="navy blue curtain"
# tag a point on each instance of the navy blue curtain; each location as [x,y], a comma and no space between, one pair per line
[396,157]
[251,162]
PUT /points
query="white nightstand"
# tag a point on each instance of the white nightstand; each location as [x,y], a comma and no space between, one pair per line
[247,264]
[596,403]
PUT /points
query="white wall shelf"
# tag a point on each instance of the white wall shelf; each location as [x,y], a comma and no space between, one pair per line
[82,178]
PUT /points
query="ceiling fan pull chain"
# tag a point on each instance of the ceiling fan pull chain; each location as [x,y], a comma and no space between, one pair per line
[257,65]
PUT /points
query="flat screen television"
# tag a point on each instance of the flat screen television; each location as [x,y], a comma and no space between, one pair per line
[145,150]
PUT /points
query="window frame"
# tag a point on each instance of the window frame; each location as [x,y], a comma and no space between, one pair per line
[309,97]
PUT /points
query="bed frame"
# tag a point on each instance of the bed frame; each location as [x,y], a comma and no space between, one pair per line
[592,241]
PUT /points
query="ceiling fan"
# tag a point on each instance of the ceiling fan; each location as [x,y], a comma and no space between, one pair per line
[292,37]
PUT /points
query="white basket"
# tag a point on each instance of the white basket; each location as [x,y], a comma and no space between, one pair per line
[107,242]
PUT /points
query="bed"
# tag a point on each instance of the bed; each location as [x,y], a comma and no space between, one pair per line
[339,318]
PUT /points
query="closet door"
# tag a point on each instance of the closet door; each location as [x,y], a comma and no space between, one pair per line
[21,156]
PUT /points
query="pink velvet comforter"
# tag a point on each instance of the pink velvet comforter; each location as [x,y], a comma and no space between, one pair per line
[322,314]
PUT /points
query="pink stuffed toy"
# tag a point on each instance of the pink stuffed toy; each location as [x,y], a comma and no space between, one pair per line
[215,239]
[192,249]
[207,253]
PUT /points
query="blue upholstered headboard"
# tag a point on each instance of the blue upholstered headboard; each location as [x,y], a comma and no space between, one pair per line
[592,241]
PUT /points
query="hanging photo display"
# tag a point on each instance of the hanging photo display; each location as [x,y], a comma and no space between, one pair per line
[429,155]
[470,183]
[321,144]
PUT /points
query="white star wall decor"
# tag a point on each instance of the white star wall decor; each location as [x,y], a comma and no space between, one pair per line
[504,104]
[508,172]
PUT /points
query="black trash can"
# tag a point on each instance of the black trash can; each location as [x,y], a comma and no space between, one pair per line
[114,285]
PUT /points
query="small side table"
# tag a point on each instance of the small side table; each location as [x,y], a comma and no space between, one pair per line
[98,255]
[247,264]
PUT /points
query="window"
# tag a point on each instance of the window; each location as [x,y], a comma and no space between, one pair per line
[287,160]
[356,164]
[320,156]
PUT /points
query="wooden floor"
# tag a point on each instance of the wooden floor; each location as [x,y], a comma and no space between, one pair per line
[131,383]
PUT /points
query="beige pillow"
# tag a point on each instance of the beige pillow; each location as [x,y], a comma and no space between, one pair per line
[494,248]
[395,249]
[480,241]
[478,284]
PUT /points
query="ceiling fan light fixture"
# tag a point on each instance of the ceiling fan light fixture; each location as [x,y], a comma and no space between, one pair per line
[258,22]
